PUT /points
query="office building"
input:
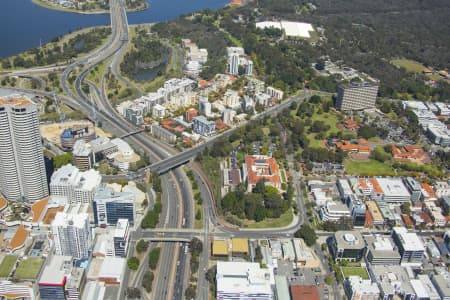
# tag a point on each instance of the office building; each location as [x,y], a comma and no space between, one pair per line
[110,206]
[203,126]
[243,280]
[53,279]
[442,284]
[22,169]
[73,134]
[357,288]
[393,281]
[357,96]
[357,210]
[381,250]
[71,186]
[72,235]
[410,246]
[112,270]
[334,211]
[414,188]
[121,238]
[347,245]
[424,289]
[83,156]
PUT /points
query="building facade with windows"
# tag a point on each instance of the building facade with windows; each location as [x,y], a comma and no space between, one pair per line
[72,234]
[110,206]
[357,96]
[22,170]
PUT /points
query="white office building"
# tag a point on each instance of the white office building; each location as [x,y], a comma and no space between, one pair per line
[424,289]
[72,235]
[410,246]
[393,190]
[243,280]
[69,185]
[22,170]
[334,211]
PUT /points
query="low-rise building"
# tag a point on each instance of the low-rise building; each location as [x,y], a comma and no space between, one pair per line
[381,250]
[288,250]
[392,280]
[357,288]
[242,280]
[53,278]
[112,270]
[374,211]
[301,292]
[261,167]
[305,257]
[424,289]
[334,211]
[442,284]
[347,245]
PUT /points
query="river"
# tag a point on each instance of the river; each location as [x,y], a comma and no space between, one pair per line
[25,24]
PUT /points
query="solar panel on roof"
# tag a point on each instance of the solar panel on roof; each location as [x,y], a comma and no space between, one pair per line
[260,161]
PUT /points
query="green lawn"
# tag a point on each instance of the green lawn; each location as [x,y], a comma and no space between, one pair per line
[7,265]
[284,220]
[408,65]
[29,268]
[368,168]
[349,271]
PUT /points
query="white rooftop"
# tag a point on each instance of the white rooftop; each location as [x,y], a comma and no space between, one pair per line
[290,28]
[76,220]
[393,187]
[243,277]
[409,240]
[55,271]
[112,267]
[123,146]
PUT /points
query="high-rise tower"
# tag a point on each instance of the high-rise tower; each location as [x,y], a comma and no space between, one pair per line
[22,169]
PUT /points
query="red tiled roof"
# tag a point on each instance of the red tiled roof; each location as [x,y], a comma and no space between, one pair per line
[302,292]
[19,238]
[262,168]
[376,186]
[407,220]
[428,189]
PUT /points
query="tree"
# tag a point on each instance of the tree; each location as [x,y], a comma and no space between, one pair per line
[133,263]
[142,246]
[147,281]
[61,160]
[198,214]
[367,132]
[196,246]
[153,258]
[306,233]
[406,208]
[133,293]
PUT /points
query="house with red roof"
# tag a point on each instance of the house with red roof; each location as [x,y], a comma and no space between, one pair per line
[261,167]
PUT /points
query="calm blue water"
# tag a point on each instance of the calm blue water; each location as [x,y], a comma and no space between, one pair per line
[23,24]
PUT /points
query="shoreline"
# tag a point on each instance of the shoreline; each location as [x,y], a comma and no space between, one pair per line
[94,12]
